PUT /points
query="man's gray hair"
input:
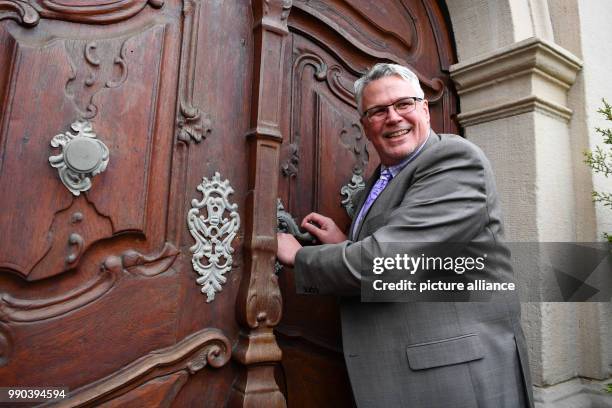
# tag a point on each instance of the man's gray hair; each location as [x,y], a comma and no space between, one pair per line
[382,70]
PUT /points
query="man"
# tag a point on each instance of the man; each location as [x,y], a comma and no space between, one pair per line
[429,189]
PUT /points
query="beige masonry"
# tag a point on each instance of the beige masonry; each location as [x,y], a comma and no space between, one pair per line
[529,77]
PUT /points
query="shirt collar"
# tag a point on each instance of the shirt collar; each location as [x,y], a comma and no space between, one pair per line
[395,169]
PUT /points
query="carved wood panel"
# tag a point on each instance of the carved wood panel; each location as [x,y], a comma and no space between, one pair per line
[99,289]
[93,287]
[154,380]
[28,13]
[333,42]
[100,80]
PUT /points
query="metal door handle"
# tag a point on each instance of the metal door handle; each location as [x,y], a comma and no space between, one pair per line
[286,223]
[83,156]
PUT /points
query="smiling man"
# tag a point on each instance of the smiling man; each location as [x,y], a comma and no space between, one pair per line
[396,117]
[430,189]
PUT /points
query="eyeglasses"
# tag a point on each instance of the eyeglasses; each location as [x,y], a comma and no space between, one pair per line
[402,106]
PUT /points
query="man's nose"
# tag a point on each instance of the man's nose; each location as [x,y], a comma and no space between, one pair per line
[393,116]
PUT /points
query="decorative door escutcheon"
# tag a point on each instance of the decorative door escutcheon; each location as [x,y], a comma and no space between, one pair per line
[349,190]
[83,156]
[213,233]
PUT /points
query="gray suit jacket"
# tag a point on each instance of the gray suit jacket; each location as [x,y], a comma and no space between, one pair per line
[411,354]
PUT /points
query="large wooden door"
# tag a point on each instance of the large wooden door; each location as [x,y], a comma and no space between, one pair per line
[139,150]
[97,289]
[324,151]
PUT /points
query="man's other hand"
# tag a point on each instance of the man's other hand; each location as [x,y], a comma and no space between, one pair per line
[287,248]
[323,228]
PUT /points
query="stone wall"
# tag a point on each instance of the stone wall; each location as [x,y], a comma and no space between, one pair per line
[530,77]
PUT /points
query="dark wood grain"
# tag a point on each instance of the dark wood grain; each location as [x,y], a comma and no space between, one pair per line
[259,303]
[333,42]
[73,312]
[93,288]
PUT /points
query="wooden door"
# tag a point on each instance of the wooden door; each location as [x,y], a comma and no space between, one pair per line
[97,289]
[133,133]
[324,151]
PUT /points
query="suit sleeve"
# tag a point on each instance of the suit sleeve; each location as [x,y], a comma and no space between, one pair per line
[444,201]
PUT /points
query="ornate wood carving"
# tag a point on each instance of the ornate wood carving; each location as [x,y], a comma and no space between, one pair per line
[148,266]
[71,234]
[20,11]
[28,13]
[352,138]
[76,240]
[14,309]
[107,72]
[334,75]
[388,30]
[290,167]
[326,84]
[164,369]
[259,303]
[115,69]
[192,123]
[122,78]
[31,310]
[362,27]
[92,75]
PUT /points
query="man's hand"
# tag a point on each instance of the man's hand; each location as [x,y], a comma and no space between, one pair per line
[287,248]
[323,228]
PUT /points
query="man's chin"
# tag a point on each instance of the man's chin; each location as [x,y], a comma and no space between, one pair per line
[397,156]
[401,151]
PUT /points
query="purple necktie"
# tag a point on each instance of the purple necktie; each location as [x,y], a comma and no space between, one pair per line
[379,186]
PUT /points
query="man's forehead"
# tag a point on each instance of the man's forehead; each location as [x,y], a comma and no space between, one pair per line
[387,90]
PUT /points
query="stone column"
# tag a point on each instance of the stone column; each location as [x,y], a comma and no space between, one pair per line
[515,105]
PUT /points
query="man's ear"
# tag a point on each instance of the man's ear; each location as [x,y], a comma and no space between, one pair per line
[426,109]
